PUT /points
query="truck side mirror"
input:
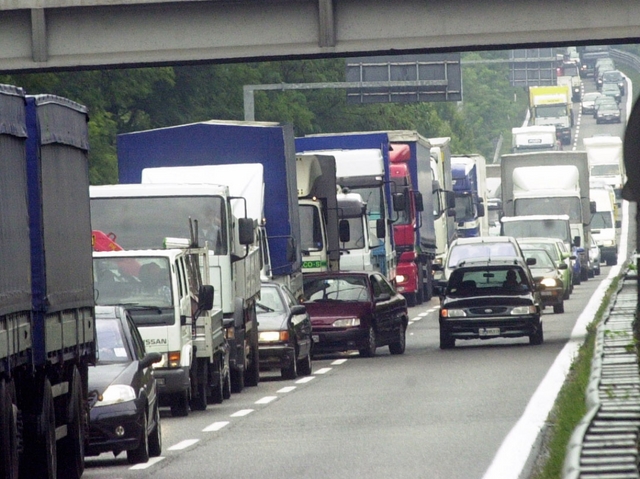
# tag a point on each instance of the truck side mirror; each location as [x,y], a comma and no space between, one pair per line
[417,198]
[451,199]
[344,231]
[205,297]
[576,241]
[451,212]
[380,228]
[246,232]
[480,208]
[592,207]
[399,201]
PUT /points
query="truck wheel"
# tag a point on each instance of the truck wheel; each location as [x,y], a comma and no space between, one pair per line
[411,299]
[226,391]
[40,454]
[180,404]
[420,286]
[8,435]
[237,380]
[217,394]
[155,438]
[199,399]
[71,448]
[253,372]
[141,453]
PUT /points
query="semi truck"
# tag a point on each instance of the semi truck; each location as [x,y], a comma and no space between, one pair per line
[606,162]
[470,188]
[551,105]
[550,183]
[318,207]
[362,166]
[444,201]
[47,334]
[170,298]
[534,138]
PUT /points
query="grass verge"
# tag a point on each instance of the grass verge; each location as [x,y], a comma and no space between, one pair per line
[570,406]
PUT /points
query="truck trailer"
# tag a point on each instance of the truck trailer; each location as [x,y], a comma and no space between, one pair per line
[47,335]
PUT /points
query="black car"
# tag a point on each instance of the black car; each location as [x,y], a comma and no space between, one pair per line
[284,332]
[123,399]
[490,298]
[615,76]
[355,310]
[608,112]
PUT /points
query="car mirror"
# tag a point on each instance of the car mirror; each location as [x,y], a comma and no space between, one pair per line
[383,297]
[437,267]
[573,257]
[298,309]
[531,261]
[562,266]
[149,359]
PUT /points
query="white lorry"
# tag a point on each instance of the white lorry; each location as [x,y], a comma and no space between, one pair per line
[550,183]
[443,195]
[603,223]
[606,163]
[141,216]
[168,294]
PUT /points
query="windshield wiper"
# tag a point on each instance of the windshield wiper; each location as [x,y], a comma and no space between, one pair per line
[265,308]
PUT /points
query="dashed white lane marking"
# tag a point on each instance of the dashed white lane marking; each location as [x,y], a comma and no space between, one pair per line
[149,463]
[322,371]
[242,412]
[216,426]
[287,389]
[337,362]
[266,400]
[305,380]
[183,444]
[417,318]
[422,315]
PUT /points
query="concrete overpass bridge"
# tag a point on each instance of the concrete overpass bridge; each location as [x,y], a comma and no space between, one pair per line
[38,35]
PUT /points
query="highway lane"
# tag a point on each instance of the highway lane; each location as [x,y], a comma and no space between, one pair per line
[428,413]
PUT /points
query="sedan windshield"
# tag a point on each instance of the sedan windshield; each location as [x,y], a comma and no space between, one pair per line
[110,339]
[346,288]
[270,301]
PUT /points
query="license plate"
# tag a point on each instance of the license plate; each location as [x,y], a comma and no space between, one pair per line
[315,338]
[488,331]
[160,381]
[547,293]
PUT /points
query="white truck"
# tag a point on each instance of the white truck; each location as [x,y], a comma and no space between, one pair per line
[603,222]
[443,195]
[606,163]
[141,216]
[168,294]
[550,183]
[355,246]
[317,201]
[534,138]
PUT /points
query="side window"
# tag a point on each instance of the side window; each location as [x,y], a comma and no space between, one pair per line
[291,301]
[386,286]
[377,288]
[138,343]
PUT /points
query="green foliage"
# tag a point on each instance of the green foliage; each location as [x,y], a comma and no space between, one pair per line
[127,100]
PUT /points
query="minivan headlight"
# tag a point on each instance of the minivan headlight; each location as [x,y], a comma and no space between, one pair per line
[523,310]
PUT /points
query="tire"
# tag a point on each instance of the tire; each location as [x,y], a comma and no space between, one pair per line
[198,401]
[291,370]
[584,274]
[40,455]
[217,391]
[611,261]
[252,373]
[71,448]
[9,460]
[558,308]
[398,346]
[141,453]
[155,438]
[577,278]
[180,404]
[370,350]
[305,366]
[420,296]
[226,391]
[237,380]
[411,299]
[567,293]
[597,271]
[537,338]
[446,341]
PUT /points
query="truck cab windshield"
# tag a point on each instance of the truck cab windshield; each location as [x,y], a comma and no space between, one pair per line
[569,205]
[311,229]
[465,211]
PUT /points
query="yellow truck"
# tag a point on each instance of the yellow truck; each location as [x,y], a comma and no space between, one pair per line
[551,105]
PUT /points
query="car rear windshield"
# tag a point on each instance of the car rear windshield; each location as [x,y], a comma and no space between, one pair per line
[346,288]
[481,281]
[462,252]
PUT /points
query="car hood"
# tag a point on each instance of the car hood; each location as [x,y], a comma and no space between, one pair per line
[326,312]
[479,301]
[272,321]
[543,272]
[104,375]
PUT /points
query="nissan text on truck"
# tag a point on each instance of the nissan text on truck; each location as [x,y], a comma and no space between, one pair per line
[47,334]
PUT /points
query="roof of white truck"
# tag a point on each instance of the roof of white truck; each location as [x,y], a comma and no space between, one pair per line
[137,189]
[350,163]
[506,219]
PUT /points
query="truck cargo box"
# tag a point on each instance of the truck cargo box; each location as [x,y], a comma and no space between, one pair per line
[228,142]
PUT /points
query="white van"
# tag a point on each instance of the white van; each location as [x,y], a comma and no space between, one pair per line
[603,223]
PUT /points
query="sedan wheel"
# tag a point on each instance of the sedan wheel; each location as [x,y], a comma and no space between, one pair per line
[537,338]
[399,345]
[304,365]
[558,308]
[446,341]
[155,438]
[141,453]
[291,371]
[370,350]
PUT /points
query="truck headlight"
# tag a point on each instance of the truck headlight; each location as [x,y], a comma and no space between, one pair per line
[400,278]
[346,323]
[453,313]
[114,394]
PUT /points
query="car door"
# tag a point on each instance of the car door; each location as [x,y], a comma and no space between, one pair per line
[148,382]
[301,324]
[383,306]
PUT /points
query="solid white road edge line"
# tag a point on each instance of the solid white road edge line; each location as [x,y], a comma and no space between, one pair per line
[516,448]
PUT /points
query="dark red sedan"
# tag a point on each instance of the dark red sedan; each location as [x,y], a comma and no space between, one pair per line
[355,310]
